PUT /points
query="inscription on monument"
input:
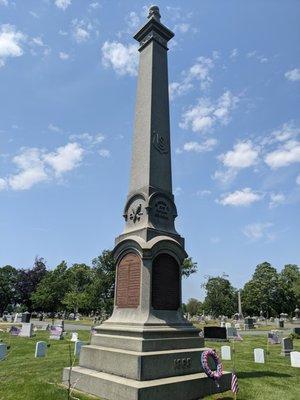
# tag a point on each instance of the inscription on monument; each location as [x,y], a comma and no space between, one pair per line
[128,281]
[165,283]
[181,363]
[162,210]
[160,143]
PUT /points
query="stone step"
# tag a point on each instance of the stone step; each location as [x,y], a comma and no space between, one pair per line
[134,343]
[112,387]
[141,365]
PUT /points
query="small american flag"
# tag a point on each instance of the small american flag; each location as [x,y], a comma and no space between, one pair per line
[234,383]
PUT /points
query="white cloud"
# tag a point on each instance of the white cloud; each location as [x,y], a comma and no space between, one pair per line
[203,193]
[63,4]
[10,43]
[286,132]
[80,34]
[94,5]
[123,59]
[276,199]
[258,231]
[89,139]
[3,184]
[182,27]
[207,145]
[54,128]
[285,155]
[242,197]
[65,158]
[298,180]
[200,71]
[255,55]
[104,153]
[205,115]
[293,75]
[3,2]
[133,20]
[225,176]
[32,170]
[234,53]
[243,155]
[64,56]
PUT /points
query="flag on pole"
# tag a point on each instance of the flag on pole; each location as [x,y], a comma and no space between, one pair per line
[234,383]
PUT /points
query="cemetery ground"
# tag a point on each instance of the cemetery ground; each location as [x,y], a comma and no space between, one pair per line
[24,377]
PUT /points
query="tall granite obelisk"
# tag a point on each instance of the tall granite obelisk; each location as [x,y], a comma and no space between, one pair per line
[147,350]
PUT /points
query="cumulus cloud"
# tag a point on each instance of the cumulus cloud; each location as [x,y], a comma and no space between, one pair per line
[64,56]
[31,170]
[258,230]
[35,165]
[276,199]
[63,4]
[206,115]
[243,155]
[123,59]
[105,153]
[255,55]
[89,139]
[293,75]
[65,158]
[243,197]
[203,193]
[287,131]
[284,155]
[200,71]
[10,43]
[207,145]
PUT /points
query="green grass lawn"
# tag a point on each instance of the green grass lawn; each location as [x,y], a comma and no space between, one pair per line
[22,377]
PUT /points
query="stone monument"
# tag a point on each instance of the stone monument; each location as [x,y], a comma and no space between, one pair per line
[147,349]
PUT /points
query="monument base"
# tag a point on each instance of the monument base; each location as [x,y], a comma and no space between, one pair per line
[112,387]
[144,363]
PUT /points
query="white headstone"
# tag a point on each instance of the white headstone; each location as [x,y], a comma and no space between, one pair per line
[295,359]
[74,337]
[26,330]
[56,332]
[40,349]
[222,324]
[259,356]
[225,352]
[227,325]
[237,326]
[78,345]
[3,350]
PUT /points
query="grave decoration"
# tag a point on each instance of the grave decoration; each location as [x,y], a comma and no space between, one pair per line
[273,337]
[215,375]
[14,331]
[56,332]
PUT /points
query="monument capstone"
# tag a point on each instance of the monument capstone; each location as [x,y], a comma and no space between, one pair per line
[147,349]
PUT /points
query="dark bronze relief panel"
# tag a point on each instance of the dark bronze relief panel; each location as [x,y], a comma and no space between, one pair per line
[128,281]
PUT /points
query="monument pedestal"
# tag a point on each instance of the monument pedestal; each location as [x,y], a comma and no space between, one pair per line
[144,363]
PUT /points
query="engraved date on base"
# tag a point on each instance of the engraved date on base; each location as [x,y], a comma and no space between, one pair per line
[182,363]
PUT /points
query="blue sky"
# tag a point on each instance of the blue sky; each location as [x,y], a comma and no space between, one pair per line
[68,82]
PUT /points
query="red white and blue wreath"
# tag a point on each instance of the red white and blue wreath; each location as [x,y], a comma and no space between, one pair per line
[215,375]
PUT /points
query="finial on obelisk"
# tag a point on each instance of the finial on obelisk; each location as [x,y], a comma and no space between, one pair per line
[154,13]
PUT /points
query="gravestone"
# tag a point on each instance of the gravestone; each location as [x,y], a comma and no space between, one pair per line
[249,323]
[237,326]
[296,330]
[295,359]
[61,323]
[222,324]
[77,348]
[147,338]
[259,356]
[3,351]
[26,330]
[18,318]
[14,331]
[274,338]
[215,333]
[227,325]
[225,352]
[74,337]
[40,349]
[231,333]
[287,346]
[56,332]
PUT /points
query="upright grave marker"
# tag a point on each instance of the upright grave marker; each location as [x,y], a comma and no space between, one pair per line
[295,359]
[287,346]
[225,352]
[77,348]
[26,330]
[40,349]
[3,351]
[259,356]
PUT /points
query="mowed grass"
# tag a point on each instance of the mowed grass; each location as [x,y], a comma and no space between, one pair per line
[22,377]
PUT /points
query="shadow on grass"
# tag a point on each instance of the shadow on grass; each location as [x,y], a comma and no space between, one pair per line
[260,374]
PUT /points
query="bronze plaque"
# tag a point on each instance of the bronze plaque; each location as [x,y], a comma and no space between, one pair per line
[165,283]
[128,281]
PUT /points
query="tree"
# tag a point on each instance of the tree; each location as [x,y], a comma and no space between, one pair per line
[102,289]
[289,280]
[194,307]
[221,297]
[8,293]
[52,289]
[28,280]
[77,299]
[189,267]
[263,292]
